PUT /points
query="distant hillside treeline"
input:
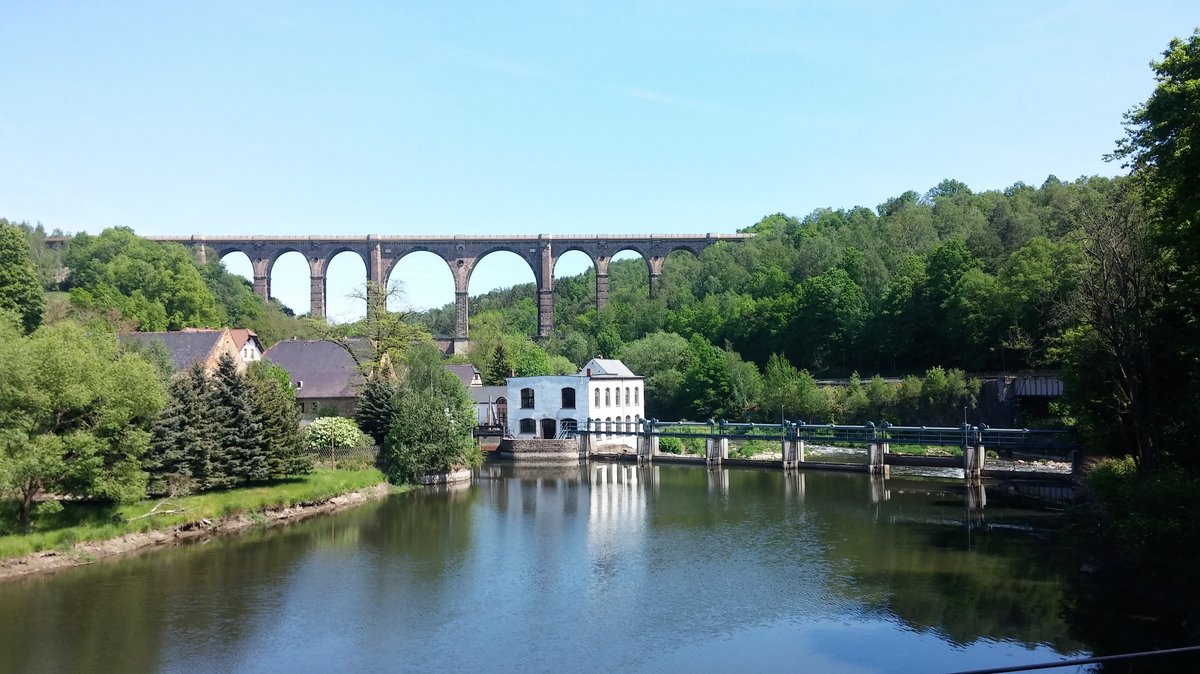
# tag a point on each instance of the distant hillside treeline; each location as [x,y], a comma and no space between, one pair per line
[949,278]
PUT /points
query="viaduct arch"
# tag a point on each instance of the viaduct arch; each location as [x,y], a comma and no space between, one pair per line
[381,253]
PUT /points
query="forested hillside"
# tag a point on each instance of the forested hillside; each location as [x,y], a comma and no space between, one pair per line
[952,278]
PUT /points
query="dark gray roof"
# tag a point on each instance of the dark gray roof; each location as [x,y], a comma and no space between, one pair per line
[466,373]
[185,347]
[325,368]
[484,394]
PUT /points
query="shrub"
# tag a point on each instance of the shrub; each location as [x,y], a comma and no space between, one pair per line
[336,432]
[670,445]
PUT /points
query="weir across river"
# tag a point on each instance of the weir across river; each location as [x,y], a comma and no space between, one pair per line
[792,438]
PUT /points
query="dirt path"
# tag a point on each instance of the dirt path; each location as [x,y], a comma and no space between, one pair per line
[88,552]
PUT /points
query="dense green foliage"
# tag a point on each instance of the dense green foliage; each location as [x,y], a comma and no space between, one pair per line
[432,430]
[75,415]
[157,285]
[224,430]
[20,284]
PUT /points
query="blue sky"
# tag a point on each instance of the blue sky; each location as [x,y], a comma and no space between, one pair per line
[544,117]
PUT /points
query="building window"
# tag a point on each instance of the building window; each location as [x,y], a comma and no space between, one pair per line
[502,411]
[597,397]
[608,427]
[567,426]
[526,398]
[635,396]
[627,396]
[608,397]
[568,398]
[527,426]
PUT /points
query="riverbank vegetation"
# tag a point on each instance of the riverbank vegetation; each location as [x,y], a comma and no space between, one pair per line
[77,521]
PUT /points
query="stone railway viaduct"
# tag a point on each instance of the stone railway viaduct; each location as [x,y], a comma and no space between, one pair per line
[380,254]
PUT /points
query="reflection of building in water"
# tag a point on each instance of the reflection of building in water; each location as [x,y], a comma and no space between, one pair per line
[618,505]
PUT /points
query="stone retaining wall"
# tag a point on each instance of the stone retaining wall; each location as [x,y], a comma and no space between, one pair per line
[524,448]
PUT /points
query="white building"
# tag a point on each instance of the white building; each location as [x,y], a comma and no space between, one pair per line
[604,391]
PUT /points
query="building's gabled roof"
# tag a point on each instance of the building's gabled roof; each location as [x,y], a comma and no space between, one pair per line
[468,374]
[243,335]
[326,369]
[185,346]
[606,367]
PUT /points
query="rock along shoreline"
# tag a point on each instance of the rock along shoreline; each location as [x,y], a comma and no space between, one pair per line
[88,552]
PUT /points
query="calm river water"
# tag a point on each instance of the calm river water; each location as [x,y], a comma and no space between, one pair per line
[596,567]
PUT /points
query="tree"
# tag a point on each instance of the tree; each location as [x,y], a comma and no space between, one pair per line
[184,438]
[243,453]
[376,409]
[75,415]
[275,401]
[1162,146]
[20,283]
[1120,330]
[432,431]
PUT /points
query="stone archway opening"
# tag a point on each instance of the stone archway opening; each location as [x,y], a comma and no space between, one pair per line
[502,270]
[345,288]
[289,282]
[422,282]
[238,263]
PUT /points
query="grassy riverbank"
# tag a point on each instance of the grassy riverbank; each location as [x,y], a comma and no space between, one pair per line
[80,522]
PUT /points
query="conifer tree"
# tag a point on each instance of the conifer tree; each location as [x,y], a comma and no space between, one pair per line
[240,429]
[376,408]
[271,389]
[184,440]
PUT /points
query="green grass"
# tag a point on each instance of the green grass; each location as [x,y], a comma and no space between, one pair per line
[79,522]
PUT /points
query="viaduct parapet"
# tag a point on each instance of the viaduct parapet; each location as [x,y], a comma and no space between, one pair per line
[381,253]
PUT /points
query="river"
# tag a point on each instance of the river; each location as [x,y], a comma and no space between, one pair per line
[595,567]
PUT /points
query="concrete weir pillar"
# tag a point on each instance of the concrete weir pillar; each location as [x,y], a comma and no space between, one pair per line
[585,445]
[875,457]
[793,453]
[647,447]
[973,461]
[716,450]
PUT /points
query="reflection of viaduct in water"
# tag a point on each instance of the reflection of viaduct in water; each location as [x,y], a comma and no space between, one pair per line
[461,253]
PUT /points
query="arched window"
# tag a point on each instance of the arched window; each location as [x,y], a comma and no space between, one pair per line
[608,397]
[628,422]
[635,396]
[597,397]
[626,396]
[527,426]
[526,398]
[608,427]
[568,398]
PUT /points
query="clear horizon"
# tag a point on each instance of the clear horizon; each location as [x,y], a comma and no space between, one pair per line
[268,118]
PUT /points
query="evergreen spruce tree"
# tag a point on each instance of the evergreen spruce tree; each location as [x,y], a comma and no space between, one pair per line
[184,437]
[376,408]
[271,389]
[243,450]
